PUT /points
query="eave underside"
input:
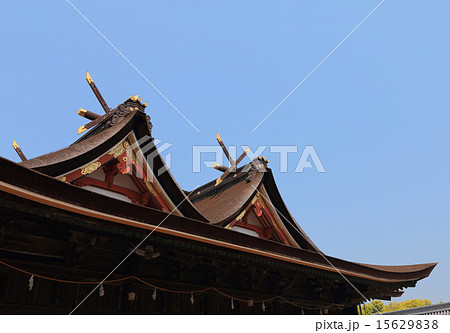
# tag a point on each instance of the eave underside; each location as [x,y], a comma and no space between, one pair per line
[62,230]
[55,244]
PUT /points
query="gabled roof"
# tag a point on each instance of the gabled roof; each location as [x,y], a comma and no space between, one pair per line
[216,204]
[206,214]
[104,137]
[221,204]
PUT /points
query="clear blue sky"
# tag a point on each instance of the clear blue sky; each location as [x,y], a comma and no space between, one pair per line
[376,111]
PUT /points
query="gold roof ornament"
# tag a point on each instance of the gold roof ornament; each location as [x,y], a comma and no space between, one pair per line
[81,129]
[135,98]
[89,78]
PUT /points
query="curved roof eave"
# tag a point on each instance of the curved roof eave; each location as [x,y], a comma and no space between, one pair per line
[223,203]
[91,146]
[294,229]
[24,183]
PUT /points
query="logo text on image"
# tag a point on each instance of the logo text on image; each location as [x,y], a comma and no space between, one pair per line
[309,159]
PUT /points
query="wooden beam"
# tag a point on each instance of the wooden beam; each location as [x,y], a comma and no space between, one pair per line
[88,181]
[92,123]
[224,175]
[233,164]
[88,114]
[242,155]
[97,92]
[220,167]
[227,154]
[19,151]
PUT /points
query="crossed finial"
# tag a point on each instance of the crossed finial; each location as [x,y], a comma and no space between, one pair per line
[233,164]
[94,117]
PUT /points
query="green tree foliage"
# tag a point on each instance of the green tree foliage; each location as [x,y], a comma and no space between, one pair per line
[378,306]
[372,307]
[409,304]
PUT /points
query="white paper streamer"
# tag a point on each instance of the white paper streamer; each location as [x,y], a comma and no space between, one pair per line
[31,283]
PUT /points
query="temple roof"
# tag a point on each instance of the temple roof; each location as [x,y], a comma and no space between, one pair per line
[206,213]
[25,183]
[222,203]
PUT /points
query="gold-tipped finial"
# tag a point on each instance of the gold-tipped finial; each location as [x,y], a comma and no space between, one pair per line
[218,137]
[19,151]
[88,78]
[233,164]
[81,129]
[88,114]
[219,167]
[97,93]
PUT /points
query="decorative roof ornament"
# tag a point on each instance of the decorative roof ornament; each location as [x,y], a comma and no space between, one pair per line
[19,151]
[121,111]
[88,114]
[97,93]
[135,98]
[131,104]
[233,164]
[96,118]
